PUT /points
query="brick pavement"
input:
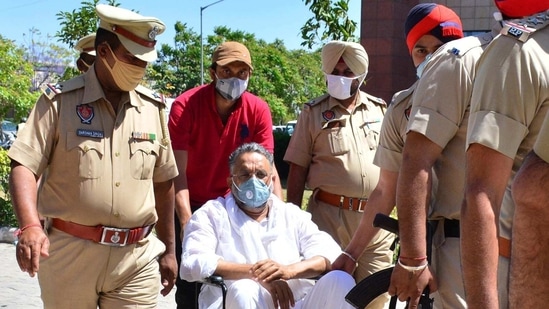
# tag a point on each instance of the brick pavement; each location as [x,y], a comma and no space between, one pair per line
[19,291]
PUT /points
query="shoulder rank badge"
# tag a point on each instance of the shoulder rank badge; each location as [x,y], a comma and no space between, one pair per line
[50,90]
[522,29]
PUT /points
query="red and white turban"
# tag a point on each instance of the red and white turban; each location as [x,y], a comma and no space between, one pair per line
[433,19]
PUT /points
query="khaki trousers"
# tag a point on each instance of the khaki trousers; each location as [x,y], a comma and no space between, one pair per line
[82,274]
[341,225]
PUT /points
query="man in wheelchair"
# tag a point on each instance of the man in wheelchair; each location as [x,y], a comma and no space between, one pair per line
[266,250]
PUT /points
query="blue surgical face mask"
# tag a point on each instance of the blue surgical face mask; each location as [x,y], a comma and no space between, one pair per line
[421,66]
[253,193]
[231,88]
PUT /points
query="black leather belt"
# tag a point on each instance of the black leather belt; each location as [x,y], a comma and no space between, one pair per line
[451,228]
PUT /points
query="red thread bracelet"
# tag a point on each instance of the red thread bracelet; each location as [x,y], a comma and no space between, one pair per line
[421,258]
[20,231]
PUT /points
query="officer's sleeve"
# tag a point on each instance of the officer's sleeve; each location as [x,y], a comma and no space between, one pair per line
[34,146]
[301,143]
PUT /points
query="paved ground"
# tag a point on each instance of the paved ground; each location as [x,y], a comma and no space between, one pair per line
[19,291]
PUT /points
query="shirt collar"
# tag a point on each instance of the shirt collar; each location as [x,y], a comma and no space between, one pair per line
[362,99]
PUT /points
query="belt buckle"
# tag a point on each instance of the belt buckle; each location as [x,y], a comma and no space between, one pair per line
[111,236]
[361,204]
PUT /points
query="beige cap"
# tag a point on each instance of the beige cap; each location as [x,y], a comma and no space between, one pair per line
[229,52]
[86,44]
[136,32]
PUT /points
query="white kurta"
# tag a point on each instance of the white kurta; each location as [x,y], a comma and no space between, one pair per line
[220,230]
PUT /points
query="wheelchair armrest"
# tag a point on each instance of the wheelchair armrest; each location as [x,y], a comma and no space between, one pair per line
[218,281]
[214,280]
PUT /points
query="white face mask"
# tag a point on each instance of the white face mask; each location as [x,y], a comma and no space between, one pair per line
[339,87]
[231,88]
[421,66]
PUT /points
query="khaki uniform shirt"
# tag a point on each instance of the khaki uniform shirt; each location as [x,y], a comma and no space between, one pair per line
[100,165]
[541,147]
[338,146]
[440,111]
[393,131]
[510,101]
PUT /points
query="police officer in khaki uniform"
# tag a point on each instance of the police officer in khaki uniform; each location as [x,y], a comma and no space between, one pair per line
[110,167]
[530,246]
[434,153]
[427,27]
[510,101]
[85,46]
[331,151]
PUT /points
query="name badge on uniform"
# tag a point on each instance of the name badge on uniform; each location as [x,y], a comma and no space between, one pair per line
[144,136]
[90,133]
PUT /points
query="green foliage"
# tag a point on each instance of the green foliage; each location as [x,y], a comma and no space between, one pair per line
[69,73]
[16,76]
[284,79]
[79,22]
[331,22]
[177,68]
[7,216]
[48,59]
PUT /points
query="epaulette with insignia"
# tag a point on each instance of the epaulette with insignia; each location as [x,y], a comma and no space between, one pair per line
[460,47]
[376,100]
[151,94]
[50,90]
[315,101]
[522,29]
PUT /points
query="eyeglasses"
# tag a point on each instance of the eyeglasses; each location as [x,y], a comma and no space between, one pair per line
[261,175]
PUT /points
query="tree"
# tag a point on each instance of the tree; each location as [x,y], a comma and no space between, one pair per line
[285,79]
[48,59]
[16,76]
[332,17]
[79,23]
[75,25]
[177,67]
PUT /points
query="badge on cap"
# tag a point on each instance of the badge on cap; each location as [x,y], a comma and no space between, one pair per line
[154,32]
